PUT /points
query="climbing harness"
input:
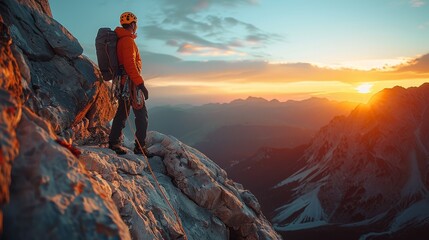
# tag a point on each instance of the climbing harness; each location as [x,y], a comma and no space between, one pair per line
[127,91]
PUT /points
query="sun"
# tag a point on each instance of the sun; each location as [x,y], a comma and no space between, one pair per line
[364,88]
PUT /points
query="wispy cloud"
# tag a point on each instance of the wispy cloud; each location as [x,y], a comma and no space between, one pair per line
[189,48]
[232,22]
[189,43]
[383,64]
[261,71]
[187,23]
[418,65]
[417,3]
[192,6]
[424,25]
[173,35]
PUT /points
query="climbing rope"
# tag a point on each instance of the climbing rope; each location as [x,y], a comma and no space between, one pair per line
[155,178]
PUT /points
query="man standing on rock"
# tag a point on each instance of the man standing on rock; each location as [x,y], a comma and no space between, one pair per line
[130,66]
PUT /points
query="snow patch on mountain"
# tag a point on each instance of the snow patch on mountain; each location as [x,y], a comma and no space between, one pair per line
[305,176]
[311,213]
[414,186]
[414,216]
[298,176]
[418,213]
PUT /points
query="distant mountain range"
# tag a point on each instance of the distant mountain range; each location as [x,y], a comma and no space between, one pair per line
[365,176]
[231,132]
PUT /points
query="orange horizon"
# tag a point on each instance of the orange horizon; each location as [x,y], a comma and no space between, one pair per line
[206,82]
[226,92]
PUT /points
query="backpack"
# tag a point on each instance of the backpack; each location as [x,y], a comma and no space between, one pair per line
[105,47]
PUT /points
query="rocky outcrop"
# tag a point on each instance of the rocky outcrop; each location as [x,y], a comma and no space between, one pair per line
[206,184]
[210,205]
[61,84]
[105,196]
[52,196]
[50,190]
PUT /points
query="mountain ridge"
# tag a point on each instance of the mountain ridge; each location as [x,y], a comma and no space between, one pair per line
[367,169]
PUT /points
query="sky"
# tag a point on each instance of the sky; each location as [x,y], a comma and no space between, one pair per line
[202,51]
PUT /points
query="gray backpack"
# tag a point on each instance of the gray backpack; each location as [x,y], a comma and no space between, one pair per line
[105,46]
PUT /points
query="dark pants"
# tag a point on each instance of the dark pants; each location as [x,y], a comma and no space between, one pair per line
[120,119]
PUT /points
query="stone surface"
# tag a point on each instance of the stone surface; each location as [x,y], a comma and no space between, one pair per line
[10,112]
[207,185]
[20,17]
[141,203]
[52,196]
[58,37]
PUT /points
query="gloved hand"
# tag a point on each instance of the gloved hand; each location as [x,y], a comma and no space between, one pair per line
[144,90]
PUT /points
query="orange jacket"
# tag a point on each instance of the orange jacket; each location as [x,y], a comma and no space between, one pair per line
[128,55]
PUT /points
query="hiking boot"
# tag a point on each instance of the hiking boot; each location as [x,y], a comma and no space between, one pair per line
[138,151]
[118,149]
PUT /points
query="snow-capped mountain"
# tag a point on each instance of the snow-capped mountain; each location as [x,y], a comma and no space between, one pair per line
[367,173]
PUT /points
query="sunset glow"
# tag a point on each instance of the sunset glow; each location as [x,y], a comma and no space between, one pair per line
[364,88]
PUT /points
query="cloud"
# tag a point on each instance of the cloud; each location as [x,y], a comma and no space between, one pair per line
[173,35]
[165,66]
[193,6]
[162,65]
[189,23]
[216,33]
[189,43]
[418,65]
[189,48]
[424,25]
[234,22]
[258,37]
[417,3]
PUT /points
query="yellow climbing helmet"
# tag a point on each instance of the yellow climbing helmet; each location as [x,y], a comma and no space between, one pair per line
[127,18]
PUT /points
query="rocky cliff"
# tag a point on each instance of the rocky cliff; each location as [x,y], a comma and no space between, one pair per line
[59,83]
[365,176]
[50,94]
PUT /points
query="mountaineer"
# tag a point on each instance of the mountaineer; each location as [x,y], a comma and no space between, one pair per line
[130,67]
